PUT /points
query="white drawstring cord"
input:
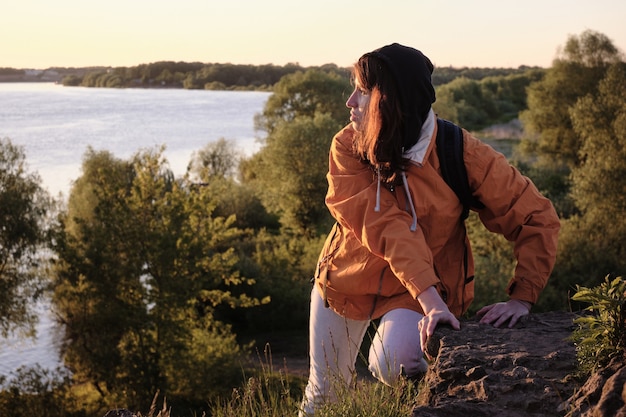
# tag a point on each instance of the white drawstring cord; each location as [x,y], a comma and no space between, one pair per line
[408,196]
[377,206]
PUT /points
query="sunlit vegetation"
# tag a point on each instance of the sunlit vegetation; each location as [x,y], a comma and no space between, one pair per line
[166,285]
[601,335]
[191,75]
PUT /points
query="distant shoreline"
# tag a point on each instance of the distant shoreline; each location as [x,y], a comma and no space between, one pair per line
[167,74]
[54,75]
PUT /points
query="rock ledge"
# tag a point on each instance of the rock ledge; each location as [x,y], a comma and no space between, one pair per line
[482,371]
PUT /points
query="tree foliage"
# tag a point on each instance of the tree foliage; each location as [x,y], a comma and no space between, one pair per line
[305,94]
[290,172]
[444,75]
[476,104]
[215,166]
[599,120]
[553,182]
[24,208]
[575,73]
[37,392]
[189,75]
[591,242]
[142,266]
[218,159]
[300,118]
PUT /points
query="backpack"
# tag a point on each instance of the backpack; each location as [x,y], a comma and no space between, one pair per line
[450,152]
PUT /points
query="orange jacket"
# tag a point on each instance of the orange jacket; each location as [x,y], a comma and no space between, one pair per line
[372,262]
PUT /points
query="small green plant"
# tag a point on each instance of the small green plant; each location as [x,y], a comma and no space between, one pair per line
[601,335]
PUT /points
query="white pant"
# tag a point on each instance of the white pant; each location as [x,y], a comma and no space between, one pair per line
[334,343]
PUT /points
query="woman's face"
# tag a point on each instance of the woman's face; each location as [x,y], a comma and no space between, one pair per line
[358,102]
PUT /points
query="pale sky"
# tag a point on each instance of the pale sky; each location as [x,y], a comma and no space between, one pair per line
[474,33]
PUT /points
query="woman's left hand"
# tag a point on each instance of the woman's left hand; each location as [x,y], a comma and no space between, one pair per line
[497,314]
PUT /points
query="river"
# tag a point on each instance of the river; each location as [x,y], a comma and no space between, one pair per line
[55,125]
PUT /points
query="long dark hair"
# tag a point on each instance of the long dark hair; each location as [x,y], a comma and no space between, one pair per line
[379,140]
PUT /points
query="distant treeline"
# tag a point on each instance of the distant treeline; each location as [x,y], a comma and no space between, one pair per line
[194,75]
[11,71]
[444,75]
[197,75]
[211,76]
[53,74]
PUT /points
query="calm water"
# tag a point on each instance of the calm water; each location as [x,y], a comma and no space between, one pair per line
[55,125]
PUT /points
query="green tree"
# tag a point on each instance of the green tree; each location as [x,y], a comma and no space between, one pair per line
[462,101]
[305,94]
[215,166]
[575,73]
[289,171]
[591,243]
[283,265]
[600,121]
[218,159]
[24,208]
[143,264]
[476,104]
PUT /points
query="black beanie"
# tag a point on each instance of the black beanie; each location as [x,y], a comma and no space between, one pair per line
[412,71]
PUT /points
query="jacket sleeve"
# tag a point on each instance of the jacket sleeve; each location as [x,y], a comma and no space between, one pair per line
[351,199]
[517,210]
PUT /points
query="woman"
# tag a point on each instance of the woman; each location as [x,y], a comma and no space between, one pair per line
[399,251]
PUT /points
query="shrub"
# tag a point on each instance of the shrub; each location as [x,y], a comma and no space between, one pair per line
[601,335]
[37,392]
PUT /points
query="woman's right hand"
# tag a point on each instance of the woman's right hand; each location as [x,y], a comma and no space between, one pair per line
[436,311]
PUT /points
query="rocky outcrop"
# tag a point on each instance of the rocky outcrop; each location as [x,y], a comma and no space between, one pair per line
[482,371]
[527,371]
[603,395]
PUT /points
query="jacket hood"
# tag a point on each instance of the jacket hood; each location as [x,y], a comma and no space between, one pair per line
[412,72]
